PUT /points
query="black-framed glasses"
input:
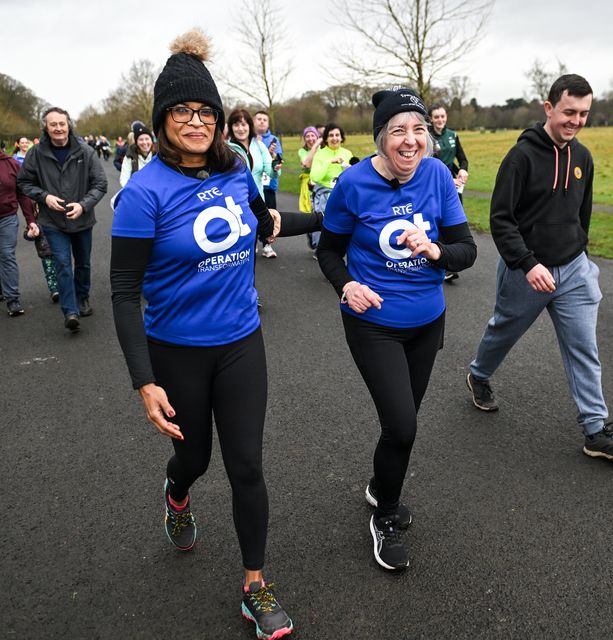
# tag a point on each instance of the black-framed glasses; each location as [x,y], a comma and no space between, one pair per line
[182,114]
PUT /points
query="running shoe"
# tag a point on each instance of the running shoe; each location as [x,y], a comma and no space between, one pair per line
[268,251]
[451,275]
[404,515]
[180,526]
[388,544]
[483,396]
[600,444]
[261,607]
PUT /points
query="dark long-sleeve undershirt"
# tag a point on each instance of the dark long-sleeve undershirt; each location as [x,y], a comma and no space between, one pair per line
[458,252]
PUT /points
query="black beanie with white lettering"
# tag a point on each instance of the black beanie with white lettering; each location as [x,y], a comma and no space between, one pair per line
[184,78]
[390,102]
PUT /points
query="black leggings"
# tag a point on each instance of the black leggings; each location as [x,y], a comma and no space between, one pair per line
[228,382]
[396,365]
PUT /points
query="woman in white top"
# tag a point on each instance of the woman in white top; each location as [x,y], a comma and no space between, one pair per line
[139,154]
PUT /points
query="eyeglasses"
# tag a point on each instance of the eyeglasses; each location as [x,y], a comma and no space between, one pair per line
[183,115]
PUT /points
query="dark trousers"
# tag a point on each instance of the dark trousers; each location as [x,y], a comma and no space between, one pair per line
[228,383]
[396,365]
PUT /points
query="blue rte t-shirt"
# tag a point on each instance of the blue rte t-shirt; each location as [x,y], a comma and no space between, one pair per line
[365,205]
[199,281]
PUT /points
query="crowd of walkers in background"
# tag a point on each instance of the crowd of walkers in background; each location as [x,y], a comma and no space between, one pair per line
[388,230]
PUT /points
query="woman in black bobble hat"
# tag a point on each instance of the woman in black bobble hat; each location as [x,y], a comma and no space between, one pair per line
[397,217]
[183,235]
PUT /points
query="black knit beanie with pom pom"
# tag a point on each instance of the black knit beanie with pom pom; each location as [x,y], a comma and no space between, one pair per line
[184,78]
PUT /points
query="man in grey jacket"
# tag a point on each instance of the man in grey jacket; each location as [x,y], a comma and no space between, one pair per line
[67,180]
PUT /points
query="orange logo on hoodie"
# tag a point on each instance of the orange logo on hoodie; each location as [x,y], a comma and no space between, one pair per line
[578,173]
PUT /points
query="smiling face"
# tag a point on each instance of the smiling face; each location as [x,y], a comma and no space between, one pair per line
[23,144]
[240,130]
[310,139]
[405,144]
[191,139]
[334,138]
[144,144]
[439,120]
[567,117]
[56,125]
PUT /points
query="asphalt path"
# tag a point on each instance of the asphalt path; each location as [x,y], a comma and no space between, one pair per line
[512,523]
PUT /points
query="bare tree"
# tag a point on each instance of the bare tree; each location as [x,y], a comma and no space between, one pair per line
[257,72]
[541,79]
[137,86]
[411,41]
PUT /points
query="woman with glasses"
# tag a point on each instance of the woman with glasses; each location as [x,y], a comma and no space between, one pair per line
[398,218]
[183,235]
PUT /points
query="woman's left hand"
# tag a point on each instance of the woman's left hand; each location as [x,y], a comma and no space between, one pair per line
[276,216]
[418,242]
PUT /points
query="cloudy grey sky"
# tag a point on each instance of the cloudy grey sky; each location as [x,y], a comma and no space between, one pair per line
[72,52]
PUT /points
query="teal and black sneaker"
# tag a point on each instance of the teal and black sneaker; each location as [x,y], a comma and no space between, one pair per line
[180,526]
[261,606]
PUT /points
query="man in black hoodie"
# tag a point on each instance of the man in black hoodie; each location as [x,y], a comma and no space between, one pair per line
[540,218]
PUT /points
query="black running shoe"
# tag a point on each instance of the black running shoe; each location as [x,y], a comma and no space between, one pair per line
[600,445]
[261,606]
[180,526]
[404,515]
[388,545]
[483,396]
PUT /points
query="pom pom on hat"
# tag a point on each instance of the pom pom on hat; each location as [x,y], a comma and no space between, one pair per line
[184,78]
[390,102]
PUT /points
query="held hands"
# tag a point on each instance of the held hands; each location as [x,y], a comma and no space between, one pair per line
[276,216]
[418,242]
[540,279]
[360,297]
[33,231]
[157,408]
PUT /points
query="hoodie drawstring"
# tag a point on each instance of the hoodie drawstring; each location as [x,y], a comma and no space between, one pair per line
[555,179]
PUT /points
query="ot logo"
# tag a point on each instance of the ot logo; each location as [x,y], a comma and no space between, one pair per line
[399,225]
[232,215]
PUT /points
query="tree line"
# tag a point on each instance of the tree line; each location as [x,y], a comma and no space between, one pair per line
[413,43]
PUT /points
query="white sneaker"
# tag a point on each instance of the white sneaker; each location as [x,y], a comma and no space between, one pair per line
[268,251]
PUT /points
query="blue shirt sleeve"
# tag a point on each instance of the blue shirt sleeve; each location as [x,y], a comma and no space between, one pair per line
[338,218]
[135,212]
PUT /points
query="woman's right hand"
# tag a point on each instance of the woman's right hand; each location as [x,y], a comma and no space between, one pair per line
[361,297]
[157,408]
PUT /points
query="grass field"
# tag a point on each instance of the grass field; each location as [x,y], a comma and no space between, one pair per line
[485,152]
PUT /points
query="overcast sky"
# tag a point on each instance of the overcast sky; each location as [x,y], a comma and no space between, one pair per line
[72,53]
